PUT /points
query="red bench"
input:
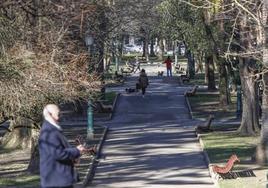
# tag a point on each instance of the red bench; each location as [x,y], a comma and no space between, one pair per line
[228,167]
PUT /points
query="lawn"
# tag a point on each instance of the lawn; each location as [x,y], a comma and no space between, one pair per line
[13,168]
[199,79]
[110,97]
[21,181]
[224,140]
[243,183]
[221,145]
[205,103]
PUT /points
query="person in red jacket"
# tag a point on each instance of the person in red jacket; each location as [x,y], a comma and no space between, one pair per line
[168,63]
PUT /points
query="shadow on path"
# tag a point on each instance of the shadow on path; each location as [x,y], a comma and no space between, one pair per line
[152,143]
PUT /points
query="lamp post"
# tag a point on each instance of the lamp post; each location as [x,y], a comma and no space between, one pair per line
[90,119]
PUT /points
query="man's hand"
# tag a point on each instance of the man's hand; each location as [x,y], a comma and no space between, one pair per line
[81,148]
[84,150]
[76,161]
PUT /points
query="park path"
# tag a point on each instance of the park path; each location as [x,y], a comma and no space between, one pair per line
[151,142]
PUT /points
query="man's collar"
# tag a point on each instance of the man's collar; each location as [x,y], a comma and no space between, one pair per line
[54,124]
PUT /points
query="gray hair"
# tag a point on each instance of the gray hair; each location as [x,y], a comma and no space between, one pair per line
[49,110]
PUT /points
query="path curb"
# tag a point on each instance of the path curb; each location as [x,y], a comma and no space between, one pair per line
[114,105]
[213,176]
[189,107]
[91,172]
[93,166]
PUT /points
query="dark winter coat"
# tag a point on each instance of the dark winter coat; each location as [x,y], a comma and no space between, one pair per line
[56,158]
[143,80]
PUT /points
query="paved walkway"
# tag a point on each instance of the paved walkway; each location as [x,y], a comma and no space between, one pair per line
[151,142]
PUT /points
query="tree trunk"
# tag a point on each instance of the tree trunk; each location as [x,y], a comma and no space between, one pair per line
[190,64]
[100,68]
[199,63]
[161,46]
[35,24]
[121,46]
[101,38]
[210,73]
[152,54]
[206,72]
[34,167]
[262,149]
[225,98]
[250,115]
[145,45]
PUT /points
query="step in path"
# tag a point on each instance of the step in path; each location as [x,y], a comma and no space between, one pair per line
[151,142]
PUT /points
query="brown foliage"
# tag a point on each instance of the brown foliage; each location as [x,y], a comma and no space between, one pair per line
[47,62]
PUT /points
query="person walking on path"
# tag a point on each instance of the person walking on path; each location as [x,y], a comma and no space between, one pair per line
[137,64]
[168,63]
[143,81]
[57,157]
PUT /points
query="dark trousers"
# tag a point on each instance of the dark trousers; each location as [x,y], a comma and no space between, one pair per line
[143,89]
[169,72]
[138,86]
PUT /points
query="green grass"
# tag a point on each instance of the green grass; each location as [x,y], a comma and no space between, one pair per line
[199,79]
[31,180]
[205,103]
[220,146]
[108,75]
[110,97]
[200,98]
[242,183]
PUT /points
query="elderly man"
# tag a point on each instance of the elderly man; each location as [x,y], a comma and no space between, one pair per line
[56,155]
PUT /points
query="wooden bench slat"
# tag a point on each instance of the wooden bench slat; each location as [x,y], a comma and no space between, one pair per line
[192,92]
[102,108]
[206,127]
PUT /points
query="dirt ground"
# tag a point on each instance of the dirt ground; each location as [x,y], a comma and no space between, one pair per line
[14,163]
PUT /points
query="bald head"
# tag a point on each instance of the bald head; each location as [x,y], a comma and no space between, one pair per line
[51,112]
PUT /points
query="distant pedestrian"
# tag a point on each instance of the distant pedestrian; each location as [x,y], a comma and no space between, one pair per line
[168,63]
[143,81]
[57,157]
[137,64]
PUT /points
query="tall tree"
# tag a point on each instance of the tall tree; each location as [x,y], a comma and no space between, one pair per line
[52,68]
[262,148]
[248,69]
